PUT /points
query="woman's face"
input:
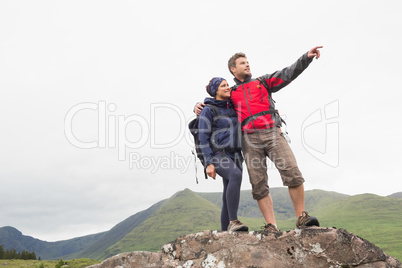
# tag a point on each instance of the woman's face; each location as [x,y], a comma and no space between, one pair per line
[223,92]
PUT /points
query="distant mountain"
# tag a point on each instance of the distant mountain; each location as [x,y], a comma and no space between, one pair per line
[314,199]
[89,246]
[396,195]
[376,218]
[11,238]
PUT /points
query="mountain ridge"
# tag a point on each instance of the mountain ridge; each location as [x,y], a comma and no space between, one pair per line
[12,238]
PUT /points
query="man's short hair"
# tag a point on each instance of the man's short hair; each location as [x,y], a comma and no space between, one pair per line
[232,60]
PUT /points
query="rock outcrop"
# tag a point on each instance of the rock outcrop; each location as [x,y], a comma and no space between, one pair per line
[309,247]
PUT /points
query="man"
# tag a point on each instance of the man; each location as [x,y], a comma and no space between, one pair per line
[262,137]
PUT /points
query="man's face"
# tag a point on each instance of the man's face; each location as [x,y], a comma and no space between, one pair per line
[242,68]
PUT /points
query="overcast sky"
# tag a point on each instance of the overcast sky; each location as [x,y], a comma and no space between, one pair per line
[96,97]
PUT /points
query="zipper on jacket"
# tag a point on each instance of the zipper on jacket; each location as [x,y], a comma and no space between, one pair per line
[260,87]
[262,95]
[248,107]
[249,94]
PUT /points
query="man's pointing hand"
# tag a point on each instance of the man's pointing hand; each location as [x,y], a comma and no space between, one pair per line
[314,52]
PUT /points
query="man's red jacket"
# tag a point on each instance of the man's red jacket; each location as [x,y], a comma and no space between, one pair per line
[252,99]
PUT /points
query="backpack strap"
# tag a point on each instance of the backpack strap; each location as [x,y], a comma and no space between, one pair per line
[262,81]
[254,116]
[215,111]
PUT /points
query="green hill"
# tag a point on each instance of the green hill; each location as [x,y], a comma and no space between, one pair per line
[183,213]
[396,195]
[283,207]
[375,218]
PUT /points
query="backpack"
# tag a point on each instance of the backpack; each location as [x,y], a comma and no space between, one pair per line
[193,127]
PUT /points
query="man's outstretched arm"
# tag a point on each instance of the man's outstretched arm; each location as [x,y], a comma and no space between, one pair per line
[282,78]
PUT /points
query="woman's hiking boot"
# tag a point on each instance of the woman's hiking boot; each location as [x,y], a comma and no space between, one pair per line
[237,226]
[305,220]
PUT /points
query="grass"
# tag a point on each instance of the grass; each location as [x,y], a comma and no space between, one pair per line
[77,263]
[375,218]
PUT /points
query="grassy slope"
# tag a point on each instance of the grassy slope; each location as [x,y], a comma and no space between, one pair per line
[248,207]
[183,213]
[375,218]
[283,207]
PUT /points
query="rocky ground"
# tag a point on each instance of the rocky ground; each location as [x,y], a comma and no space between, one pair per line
[309,247]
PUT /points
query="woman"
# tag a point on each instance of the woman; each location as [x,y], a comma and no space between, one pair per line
[219,142]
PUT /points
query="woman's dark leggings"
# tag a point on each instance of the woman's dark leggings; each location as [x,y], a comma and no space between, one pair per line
[231,176]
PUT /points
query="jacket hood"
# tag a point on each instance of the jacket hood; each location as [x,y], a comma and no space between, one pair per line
[219,103]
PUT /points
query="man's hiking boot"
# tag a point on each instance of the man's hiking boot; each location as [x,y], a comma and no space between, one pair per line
[305,220]
[270,228]
[237,226]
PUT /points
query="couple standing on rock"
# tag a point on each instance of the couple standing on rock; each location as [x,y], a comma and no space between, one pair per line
[248,106]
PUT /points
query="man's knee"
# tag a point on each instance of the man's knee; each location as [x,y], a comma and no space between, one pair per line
[292,177]
[295,186]
[260,193]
